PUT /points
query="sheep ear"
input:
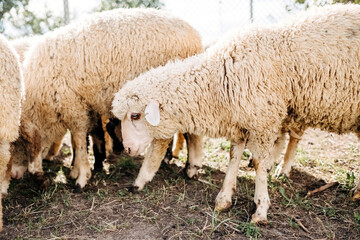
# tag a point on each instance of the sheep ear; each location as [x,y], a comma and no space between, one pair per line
[152,113]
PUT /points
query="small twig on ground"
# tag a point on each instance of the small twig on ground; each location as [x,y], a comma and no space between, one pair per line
[320,189]
[225,223]
[208,183]
[300,224]
[92,204]
[53,226]
[109,203]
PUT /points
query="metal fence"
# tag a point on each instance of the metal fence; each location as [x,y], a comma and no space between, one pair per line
[214,18]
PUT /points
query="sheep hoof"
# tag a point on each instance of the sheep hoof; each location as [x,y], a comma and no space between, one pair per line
[222,206]
[133,189]
[166,160]
[356,196]
[74,173]
[78,189]
[192,172]
[281,171]
[259,220]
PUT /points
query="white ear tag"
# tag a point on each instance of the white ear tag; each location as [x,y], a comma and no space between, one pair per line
[152,113]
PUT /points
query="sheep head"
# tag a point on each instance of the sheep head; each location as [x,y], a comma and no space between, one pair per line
[26,148]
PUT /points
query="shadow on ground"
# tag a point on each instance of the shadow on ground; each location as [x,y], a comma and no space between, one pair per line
[173,207]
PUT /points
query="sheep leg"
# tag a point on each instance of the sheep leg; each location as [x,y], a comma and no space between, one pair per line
[285,166]
[107,138]
[278,147]
[261,197]
[113,128]
[4,160]
[168,155]
[223,199]
[7,177]
[98,137]
[179,142]
[54,150]
[194,145]
[35,167]
[152,161]
[81,169]
[356,190]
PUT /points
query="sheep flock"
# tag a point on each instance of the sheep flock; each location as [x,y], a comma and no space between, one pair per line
[133,79]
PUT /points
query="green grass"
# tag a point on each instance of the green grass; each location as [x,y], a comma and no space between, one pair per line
[250,230]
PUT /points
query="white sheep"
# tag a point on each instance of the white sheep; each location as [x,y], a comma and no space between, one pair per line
[99,134]
[11,92]
[250,86]
[72,73]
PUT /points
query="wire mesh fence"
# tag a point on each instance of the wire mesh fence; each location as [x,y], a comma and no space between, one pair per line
[214,18]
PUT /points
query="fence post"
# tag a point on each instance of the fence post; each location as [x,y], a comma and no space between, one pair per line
[251,12]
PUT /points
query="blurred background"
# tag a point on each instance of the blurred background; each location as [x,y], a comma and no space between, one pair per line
[212,18]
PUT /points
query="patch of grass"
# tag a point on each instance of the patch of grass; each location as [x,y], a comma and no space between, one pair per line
[102,193]
[302,156]
[250,230]
[349,182]
[246,154]
[357,218]
[127,163]
[226,145]
[66,198]
[292,223]
[66,150]
[293,198]
[328,211]
[96,228]
[183,158]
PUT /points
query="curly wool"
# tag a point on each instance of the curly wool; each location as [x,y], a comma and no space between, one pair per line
[11,92]
[12,89]
[304,72]
[74,71]
[22,45]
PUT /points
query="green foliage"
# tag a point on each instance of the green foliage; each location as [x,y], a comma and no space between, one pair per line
[6,6]
[324,2]
[33,23]
[250,230]
[300,4]
[112,4]
[17,13]
[357,217]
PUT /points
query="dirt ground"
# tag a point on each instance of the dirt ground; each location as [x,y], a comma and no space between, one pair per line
[174,207]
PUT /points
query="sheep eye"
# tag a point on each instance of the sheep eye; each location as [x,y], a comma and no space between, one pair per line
[135,116]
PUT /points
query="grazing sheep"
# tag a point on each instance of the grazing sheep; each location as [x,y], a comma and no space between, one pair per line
[11,91]
[250,86]
[100,148]
[72,73]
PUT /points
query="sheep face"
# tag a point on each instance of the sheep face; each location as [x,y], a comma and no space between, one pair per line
[138,128]
[26,148]
[135,135]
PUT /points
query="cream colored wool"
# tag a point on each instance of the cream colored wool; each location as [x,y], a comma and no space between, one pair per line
[22,45]
[73,72]
[302,73]
[11,91]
